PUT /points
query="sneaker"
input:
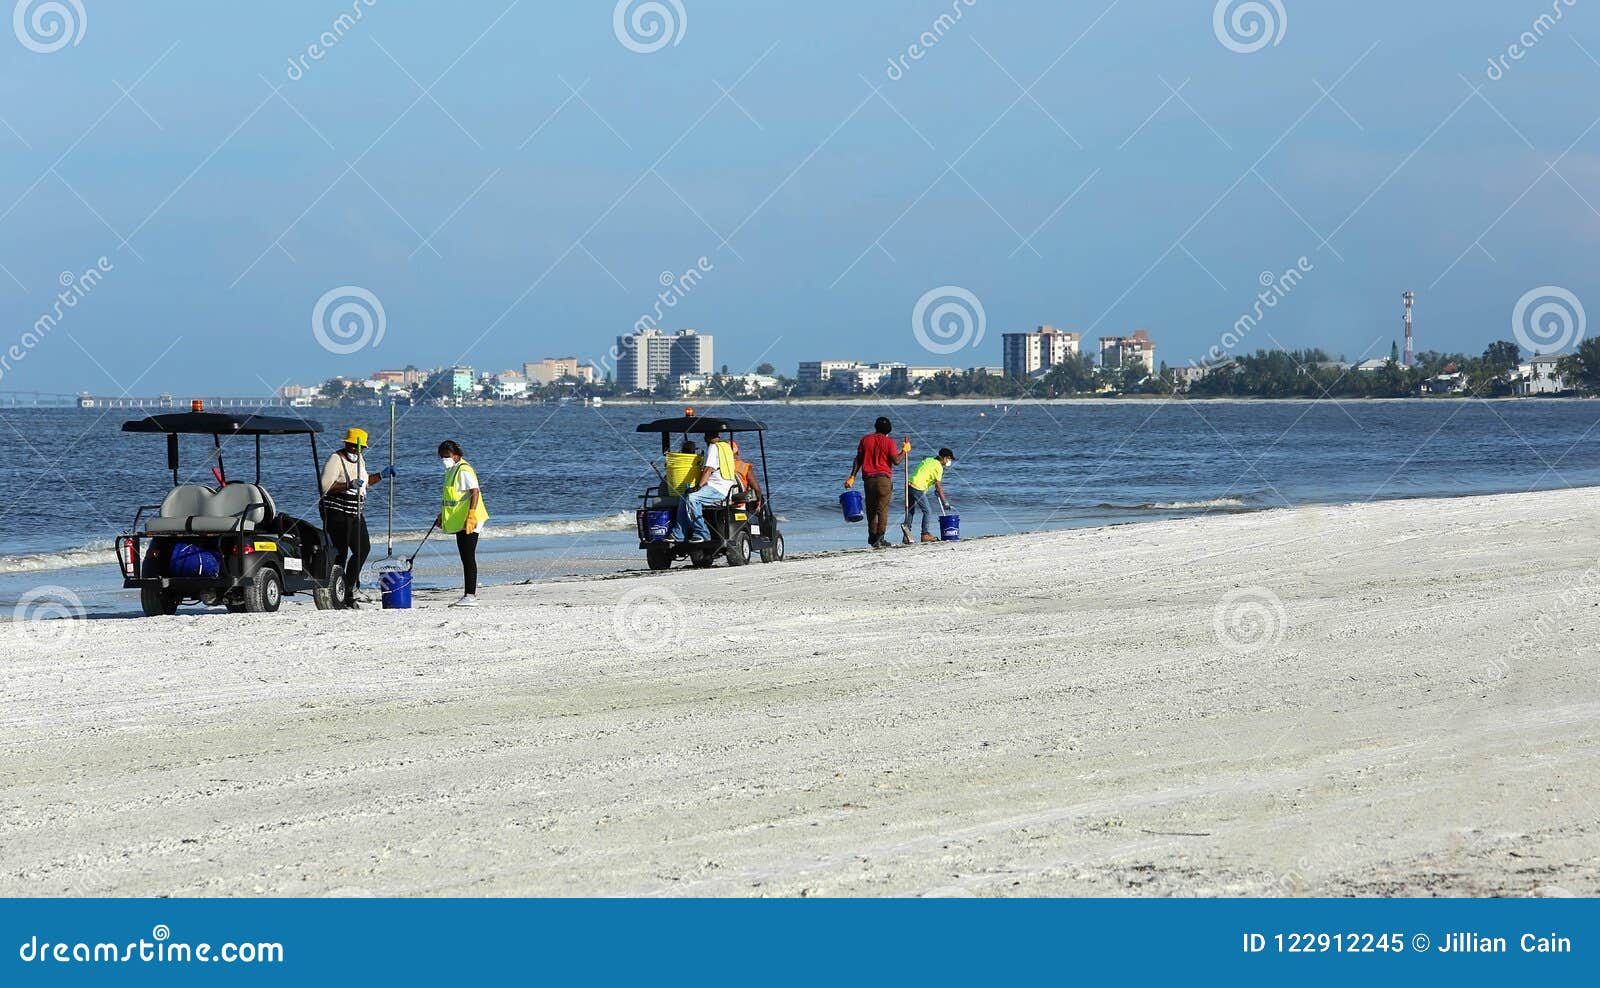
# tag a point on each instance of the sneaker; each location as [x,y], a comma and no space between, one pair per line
[467,600]
[697,540]
[361,597]
[905,534]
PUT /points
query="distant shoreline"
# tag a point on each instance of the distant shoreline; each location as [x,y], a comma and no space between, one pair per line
[693,401]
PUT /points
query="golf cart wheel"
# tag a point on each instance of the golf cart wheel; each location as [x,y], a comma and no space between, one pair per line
[774,552]
[330,596]
[739,549]
[265,594]
[235,605]
[156,601]
[701,557]
[658,556]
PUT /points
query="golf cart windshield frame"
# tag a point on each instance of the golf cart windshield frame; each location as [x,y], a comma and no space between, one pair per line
[219,424]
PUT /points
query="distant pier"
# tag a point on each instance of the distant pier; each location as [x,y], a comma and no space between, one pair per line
[42,399]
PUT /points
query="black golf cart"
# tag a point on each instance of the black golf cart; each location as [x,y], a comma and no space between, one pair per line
[226,544]
[743,526]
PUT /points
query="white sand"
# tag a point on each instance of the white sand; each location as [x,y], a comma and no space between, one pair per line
[1049,714]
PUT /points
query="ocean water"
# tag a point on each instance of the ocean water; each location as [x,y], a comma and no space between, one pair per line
[562,482]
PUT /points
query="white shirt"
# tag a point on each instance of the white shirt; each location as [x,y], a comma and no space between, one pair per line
[466,479]
[340,468]
[717,482]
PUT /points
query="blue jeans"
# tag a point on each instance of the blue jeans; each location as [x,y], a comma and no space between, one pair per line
[920,501]
[691,506]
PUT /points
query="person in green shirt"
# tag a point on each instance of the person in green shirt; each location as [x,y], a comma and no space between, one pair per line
[928,474]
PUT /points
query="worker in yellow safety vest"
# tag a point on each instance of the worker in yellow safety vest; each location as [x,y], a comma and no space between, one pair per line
[716,479]
[462,514]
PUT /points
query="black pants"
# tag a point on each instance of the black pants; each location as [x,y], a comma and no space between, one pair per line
[351,545]
[467,545]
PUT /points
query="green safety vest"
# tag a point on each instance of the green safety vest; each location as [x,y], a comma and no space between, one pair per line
[453,514]
[725,464]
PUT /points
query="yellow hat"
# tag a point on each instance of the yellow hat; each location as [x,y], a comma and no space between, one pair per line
[357,436]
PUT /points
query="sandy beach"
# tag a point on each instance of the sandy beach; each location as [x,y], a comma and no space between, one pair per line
[1395,698]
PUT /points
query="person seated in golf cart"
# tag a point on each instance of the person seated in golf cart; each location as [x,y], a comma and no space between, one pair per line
[716,481]
[745,477]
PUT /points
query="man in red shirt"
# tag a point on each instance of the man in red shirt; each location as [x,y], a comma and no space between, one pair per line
[876,457]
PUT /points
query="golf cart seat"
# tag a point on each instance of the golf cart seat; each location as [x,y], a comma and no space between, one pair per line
[192,508]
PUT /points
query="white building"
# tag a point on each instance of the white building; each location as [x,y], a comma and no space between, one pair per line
[1539,376]
[815,372]
[650,355]
[1118,351]
[1026,354]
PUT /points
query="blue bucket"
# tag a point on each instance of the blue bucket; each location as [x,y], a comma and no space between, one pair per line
[949,527]
[396,585]
[854,505]
[188,559]
[657,523]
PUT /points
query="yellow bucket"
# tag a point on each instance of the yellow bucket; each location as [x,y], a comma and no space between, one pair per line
[683,469]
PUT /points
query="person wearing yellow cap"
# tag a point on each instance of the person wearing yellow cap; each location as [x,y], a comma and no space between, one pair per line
[345,480]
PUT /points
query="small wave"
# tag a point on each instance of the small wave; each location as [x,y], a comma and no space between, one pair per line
[33,562]
[103,555]
[622,521]
[1211,504]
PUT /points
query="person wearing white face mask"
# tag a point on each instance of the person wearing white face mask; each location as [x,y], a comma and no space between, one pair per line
[462,514]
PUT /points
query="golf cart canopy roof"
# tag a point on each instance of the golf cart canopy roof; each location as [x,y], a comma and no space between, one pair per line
[223,424]
[701,425]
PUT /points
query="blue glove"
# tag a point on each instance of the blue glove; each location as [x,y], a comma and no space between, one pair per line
[388,471]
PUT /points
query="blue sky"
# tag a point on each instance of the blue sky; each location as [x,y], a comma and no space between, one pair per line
[500,218]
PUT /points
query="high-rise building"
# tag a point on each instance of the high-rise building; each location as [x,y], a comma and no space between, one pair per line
[691,354]
[649,355]
[1025,354]
[1117,351]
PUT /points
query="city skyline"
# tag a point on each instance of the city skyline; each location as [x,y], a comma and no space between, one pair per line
[521,197]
